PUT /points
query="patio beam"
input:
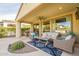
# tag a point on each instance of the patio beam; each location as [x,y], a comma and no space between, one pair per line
[32,28]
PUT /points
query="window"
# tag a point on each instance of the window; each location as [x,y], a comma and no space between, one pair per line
[63,25]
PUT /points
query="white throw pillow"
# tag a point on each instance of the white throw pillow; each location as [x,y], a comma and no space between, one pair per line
[68,37]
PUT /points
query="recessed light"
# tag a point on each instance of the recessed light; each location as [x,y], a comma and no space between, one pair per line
[60,8]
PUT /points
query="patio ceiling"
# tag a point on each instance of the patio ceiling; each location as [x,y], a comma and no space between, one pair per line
[48,10]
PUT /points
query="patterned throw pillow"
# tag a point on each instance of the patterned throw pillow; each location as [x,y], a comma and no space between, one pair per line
[44,35]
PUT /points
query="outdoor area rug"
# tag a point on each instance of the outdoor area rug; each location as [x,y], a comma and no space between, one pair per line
[48,48]
[26,49]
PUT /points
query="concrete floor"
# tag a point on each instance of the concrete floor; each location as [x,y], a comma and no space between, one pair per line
[4,42]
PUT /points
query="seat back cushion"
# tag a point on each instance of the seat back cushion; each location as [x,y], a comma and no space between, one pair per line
[52,35]
[55,35]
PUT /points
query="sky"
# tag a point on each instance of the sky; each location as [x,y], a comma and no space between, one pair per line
[65,23]
[8,11]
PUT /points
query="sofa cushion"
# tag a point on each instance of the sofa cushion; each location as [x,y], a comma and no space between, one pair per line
[55,35]
[52,35]
[49,34]
[68,37]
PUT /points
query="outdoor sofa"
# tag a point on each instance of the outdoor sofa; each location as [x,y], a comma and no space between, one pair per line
[66,43]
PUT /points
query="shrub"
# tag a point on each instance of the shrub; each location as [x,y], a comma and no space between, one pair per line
[72,33]
[5,30]
[2,32]
[24,29]
[17,45]
[11,29]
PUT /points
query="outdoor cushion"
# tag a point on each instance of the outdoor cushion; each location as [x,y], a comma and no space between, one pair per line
[48,35]
[68,37]
[55,35]
[33,35]
[66,45]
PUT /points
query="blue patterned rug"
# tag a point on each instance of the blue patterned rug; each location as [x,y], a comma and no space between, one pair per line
[48,48]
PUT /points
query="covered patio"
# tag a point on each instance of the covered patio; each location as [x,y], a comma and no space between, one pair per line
[41,14]
[46,17]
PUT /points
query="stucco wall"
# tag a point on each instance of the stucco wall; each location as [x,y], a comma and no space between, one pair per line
[75,23]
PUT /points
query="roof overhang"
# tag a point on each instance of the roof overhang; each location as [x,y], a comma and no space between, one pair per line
[26,8]
[29,14]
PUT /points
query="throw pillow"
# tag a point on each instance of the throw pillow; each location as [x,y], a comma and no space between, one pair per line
[68,37]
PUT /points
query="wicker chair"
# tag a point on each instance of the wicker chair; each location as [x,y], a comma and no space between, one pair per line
[66,45]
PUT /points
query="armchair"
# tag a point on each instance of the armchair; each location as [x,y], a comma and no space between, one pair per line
[66,45]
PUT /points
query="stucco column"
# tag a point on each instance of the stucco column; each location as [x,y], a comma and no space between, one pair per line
[51,26]
[40,28]
[18,29]
[32,28]
[54,25]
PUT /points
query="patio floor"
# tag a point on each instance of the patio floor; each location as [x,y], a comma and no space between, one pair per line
[4,42]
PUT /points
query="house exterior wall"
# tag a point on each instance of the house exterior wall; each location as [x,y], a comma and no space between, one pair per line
[5,24]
